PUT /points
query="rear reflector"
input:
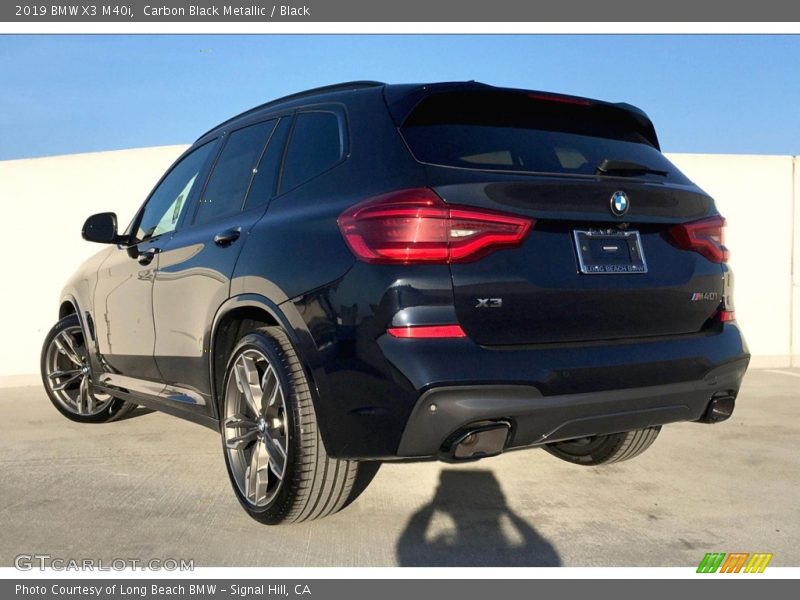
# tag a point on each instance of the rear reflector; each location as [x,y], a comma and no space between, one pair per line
[726,315]
[427,331]
[417,226]
[706,236]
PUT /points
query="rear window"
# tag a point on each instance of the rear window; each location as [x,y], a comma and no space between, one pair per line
[524,133]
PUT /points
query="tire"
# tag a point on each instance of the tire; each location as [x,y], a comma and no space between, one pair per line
[271,441]
[67,380]
[605,449]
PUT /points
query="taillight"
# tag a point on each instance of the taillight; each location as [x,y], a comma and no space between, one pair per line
[706,236]
[417,226]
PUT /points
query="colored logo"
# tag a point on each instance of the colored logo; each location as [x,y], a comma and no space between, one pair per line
[619,203]
[735,562]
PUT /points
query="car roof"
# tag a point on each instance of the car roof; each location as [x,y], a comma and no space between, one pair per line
[402,98]
[347,86]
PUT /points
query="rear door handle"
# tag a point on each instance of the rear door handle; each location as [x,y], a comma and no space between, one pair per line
[227,237]
[147,256]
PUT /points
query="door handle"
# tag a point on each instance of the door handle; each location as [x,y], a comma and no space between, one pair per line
[146,257]
[227,237]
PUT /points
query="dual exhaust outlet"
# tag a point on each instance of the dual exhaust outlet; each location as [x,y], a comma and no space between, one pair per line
[489,438]
[480,440]
[720,408]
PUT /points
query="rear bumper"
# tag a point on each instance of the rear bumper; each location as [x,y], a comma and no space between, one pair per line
[375,399]
[442,414]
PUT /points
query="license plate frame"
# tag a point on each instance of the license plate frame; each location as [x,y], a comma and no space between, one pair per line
[606,243]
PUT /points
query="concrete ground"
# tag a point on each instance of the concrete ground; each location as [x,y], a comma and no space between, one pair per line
[153,486]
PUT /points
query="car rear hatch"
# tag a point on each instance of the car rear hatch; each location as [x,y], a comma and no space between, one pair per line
[613,252]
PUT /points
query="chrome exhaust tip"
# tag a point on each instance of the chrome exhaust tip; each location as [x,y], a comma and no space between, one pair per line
[720,408]
[480,441]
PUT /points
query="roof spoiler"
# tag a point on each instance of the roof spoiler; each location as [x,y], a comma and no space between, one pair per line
[402,99]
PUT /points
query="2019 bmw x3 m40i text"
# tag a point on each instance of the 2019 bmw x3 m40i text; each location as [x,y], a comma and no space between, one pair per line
[366,272]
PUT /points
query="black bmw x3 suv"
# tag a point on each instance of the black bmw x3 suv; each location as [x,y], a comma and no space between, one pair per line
[366,272]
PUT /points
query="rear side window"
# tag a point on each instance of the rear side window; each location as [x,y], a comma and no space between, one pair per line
[522,132]
[230,179]
[263,186]
[316,145]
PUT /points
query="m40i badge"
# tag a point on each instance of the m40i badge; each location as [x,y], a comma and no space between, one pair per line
[708,296]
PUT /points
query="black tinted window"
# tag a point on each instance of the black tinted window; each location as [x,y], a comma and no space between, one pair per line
[315,146]
[228,183]
[169,199]
[522,132]
[263,186]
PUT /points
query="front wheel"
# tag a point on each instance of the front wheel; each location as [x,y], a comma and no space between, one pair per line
[274,454]
[605,449]
[67,378]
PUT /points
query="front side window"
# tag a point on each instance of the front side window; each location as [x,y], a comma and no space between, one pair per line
[230,179]
[315,146]
[168,201]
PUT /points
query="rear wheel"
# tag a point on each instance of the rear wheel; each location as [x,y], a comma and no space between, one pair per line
[276,461]
[605,449]
[67,378]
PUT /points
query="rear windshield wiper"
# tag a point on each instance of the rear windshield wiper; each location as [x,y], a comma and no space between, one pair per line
[625,168]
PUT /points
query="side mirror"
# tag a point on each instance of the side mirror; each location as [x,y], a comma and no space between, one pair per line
[101,228]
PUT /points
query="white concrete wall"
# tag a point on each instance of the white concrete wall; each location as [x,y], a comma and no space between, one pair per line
[794,325]
[45,201]
[757,195]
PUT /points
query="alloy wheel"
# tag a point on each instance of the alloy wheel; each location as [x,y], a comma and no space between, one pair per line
[68,375]
[255,430]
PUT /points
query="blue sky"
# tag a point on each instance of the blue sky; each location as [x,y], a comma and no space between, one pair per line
[64,94]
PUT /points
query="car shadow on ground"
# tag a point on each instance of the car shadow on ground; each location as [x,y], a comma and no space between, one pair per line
[469,523]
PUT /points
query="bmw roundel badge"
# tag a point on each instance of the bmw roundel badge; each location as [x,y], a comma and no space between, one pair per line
[619,203]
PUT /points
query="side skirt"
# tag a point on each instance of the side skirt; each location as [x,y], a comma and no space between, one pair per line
[160,405]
